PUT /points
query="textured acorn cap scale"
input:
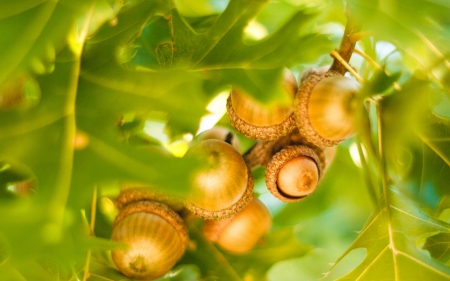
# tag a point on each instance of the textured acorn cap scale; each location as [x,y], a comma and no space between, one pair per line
[133,192]
[263,151]
[323,108]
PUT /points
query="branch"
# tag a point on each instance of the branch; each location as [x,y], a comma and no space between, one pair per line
[347,44]
[259,154]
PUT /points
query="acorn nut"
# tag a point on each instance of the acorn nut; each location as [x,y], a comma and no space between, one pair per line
[156,238]
[293,173]
[223,186]
[240,233]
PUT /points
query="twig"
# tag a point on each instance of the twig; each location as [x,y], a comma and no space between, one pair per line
[338,57]
[347,45]
[91,232]
[258,154]
[366,174]
[376,65]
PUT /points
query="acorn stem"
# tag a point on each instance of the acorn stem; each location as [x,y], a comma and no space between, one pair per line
[229,138]
[337,56]
[347,45]
[258,154]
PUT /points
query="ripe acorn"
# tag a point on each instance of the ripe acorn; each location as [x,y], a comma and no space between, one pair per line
[156,238]
[293,173]
[257,121]
[241,232]
[223,186]
[324,107]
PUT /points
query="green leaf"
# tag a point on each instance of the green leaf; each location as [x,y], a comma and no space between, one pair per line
[183,273]
[435,133]
[277,246]
[38,30]
[439,246]
[215,266]
[390,237]
[221,49]
[434,185]
[380,82]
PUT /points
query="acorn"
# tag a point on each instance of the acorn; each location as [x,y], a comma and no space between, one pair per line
[156,238]
[241,232]
[257,121]
[223,186]
[293,173]
[324,108]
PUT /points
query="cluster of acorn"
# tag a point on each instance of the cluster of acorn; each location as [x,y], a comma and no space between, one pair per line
[294,143]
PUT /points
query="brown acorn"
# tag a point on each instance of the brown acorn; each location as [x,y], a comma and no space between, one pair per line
[156,238]
[293,173]
[223,186]
[241,232]
[257,121]
[324,108]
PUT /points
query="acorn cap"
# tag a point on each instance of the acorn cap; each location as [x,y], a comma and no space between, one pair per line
[259,154]
[308,175]
[257,121]
[263,151]
[131,193]
[337,126]
[260,132]
[295,139]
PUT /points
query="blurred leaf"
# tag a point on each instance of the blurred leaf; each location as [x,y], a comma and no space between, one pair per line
[38,30]
[215,266]
[183,273]
[439,246]
[435,132]
[312,266]
[418,28]
[434,182]
[401,110]
[277,246]
[380,82]
[221,48]
[115,90]
[446,81]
